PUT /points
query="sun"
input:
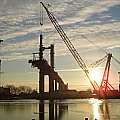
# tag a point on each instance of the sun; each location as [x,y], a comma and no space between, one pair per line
[95,75]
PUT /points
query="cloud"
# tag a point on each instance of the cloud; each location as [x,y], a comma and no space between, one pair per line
[20,27]
[115,50]
[85,10]
[89,24]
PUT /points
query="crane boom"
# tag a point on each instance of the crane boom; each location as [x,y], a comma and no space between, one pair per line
[68,43]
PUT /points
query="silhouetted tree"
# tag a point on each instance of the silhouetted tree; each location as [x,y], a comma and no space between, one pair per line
[13,89]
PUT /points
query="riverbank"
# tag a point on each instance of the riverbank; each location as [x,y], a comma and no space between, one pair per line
[69,94]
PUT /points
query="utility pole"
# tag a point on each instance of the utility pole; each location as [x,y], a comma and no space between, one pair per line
[0,65]
[119,81]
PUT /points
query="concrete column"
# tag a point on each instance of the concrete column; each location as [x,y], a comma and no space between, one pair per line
[41,110]
[51,110]
[41,84]
[51,86]
[41,74]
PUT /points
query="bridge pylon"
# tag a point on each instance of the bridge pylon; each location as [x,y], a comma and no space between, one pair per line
[56,83]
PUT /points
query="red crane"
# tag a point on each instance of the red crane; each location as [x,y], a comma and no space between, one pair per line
[106,88]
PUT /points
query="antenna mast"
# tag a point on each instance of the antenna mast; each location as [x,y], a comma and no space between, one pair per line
[0,64]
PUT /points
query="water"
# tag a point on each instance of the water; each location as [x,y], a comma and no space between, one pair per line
[76,109]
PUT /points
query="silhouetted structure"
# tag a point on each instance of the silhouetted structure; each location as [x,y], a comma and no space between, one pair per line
[56,111]
[4,93]
[46,69]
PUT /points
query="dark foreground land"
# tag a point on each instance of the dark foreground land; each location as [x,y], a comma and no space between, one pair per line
[7,94]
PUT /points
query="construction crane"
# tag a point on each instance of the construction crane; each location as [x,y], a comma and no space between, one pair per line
[105,86]
[70,46]
[106,89]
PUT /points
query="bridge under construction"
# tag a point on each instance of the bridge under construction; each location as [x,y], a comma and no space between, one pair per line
[57,87]
[55,81]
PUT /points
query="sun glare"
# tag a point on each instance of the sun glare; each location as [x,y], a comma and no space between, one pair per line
[95,75]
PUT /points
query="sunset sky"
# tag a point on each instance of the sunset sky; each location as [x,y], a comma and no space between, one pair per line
[97,20]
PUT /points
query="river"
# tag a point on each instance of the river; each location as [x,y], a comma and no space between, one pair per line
[74,109]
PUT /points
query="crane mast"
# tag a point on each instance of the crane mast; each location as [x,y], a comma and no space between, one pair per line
[105,86]
[69,45]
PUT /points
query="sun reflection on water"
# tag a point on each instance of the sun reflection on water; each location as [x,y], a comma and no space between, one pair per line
[95,106]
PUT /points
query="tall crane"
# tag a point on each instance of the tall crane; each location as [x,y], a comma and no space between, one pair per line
[106,88]
[70,46]
[105,85]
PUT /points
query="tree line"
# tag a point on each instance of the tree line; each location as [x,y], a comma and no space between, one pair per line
[20,92]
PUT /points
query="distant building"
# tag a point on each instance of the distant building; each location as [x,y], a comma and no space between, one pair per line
[4,93]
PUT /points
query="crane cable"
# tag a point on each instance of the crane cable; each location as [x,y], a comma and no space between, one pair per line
[83,36]
[116,59]
[98,62]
